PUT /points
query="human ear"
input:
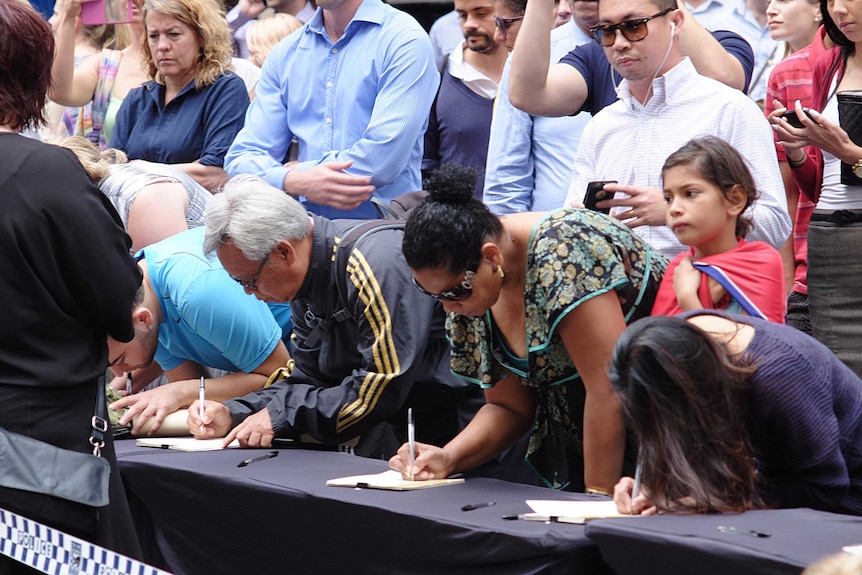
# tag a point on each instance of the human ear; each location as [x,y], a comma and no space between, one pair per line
[286,251]
[736,198]
[143,315]
[492,253]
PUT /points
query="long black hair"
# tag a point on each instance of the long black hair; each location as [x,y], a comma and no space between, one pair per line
[847,47]
[687,401]
[449,227]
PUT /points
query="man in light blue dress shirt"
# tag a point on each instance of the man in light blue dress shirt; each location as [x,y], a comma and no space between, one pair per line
[354,87]
[530,157]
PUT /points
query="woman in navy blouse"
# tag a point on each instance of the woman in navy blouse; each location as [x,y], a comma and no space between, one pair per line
[189,114]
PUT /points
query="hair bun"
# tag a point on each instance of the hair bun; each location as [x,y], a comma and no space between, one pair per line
[451,184]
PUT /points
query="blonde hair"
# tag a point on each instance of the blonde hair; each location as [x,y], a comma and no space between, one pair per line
[97,163]
[264,33]
[122,36]
[207,20]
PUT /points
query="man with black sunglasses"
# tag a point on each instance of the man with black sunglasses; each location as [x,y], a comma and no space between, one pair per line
[366,343]
[664,102]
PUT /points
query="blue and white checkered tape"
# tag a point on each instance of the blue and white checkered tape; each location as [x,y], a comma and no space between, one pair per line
[54,552]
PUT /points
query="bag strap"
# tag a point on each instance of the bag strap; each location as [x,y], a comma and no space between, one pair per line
[339,273]
[99,423]
[730,286]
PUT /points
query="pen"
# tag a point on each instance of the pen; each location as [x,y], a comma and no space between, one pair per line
[202,397]
[532,517]
[411,440]
[129,383]
[472,506]
[749,532]
[269,455]
[637,486]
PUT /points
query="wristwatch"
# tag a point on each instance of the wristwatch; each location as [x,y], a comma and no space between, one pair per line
[857,168]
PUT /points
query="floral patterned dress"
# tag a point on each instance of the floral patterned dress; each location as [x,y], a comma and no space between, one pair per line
[572,256]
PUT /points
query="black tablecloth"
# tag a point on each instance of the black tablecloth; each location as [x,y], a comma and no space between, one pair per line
[677,545]
[198,513]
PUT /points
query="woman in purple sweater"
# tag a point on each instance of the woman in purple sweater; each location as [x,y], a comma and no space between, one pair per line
[736,413]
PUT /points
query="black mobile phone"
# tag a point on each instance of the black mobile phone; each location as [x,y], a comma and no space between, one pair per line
[793,118]
[596,193]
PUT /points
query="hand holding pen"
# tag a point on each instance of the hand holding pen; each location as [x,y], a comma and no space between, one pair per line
[630,501]
[429,462]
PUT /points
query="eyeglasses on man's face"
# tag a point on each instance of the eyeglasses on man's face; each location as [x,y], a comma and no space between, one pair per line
[252,285]
[459,292]
[505,23]
[633,30]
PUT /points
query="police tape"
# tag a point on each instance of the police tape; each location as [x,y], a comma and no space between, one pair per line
[54,552]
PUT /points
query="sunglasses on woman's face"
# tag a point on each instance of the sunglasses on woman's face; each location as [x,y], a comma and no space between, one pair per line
[460,292]
[633,30]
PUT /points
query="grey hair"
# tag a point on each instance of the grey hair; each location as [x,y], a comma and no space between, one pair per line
[254,216]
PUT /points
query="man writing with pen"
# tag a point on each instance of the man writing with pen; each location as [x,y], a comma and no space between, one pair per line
[356,378]
[192,320]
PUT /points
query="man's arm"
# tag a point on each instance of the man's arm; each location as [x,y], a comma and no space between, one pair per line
[399,115]
[408,84]
[749,132]
[509,170]
[182,390]
[392,322]
[708,55]
[536,86]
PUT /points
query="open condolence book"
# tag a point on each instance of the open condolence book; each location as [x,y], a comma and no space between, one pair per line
[390,480]
[572,511]
[184,443]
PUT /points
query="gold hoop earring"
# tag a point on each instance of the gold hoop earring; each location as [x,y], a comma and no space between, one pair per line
[500,272]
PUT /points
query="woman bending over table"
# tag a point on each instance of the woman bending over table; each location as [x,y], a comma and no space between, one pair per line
[535,302]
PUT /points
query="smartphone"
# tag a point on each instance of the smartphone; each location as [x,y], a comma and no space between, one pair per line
[793,119]
[596,193]
[98,12]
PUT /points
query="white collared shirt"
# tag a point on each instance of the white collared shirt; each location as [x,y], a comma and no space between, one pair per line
[629,142]
[470,76]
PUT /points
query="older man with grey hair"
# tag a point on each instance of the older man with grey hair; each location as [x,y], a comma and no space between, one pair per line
[356,374]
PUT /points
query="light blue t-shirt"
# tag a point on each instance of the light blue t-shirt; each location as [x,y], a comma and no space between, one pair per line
[206,316]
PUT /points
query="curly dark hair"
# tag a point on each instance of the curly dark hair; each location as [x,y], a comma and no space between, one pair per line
[26,55]
[688,403]
[449,227]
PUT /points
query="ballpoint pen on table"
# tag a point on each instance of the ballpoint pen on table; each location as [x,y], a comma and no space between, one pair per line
[269,455]
[411,440]
[637,485]
[202,398]
[474,506]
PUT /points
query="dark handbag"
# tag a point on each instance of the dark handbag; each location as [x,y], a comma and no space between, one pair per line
[53,485]
[850,120]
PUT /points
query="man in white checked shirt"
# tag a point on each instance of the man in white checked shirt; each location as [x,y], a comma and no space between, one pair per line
[663,103]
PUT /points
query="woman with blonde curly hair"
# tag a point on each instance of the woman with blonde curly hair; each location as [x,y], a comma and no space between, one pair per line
[190,112]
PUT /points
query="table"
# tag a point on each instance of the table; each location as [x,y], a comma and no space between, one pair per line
[669,545]
[198,513]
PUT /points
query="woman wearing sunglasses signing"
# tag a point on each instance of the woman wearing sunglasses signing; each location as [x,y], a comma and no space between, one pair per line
[535,302]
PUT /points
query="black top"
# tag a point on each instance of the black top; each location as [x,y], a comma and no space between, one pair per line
[67,277]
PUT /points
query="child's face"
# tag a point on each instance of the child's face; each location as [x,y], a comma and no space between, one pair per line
[698,212]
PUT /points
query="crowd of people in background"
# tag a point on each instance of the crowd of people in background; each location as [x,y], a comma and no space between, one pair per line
[635,238]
